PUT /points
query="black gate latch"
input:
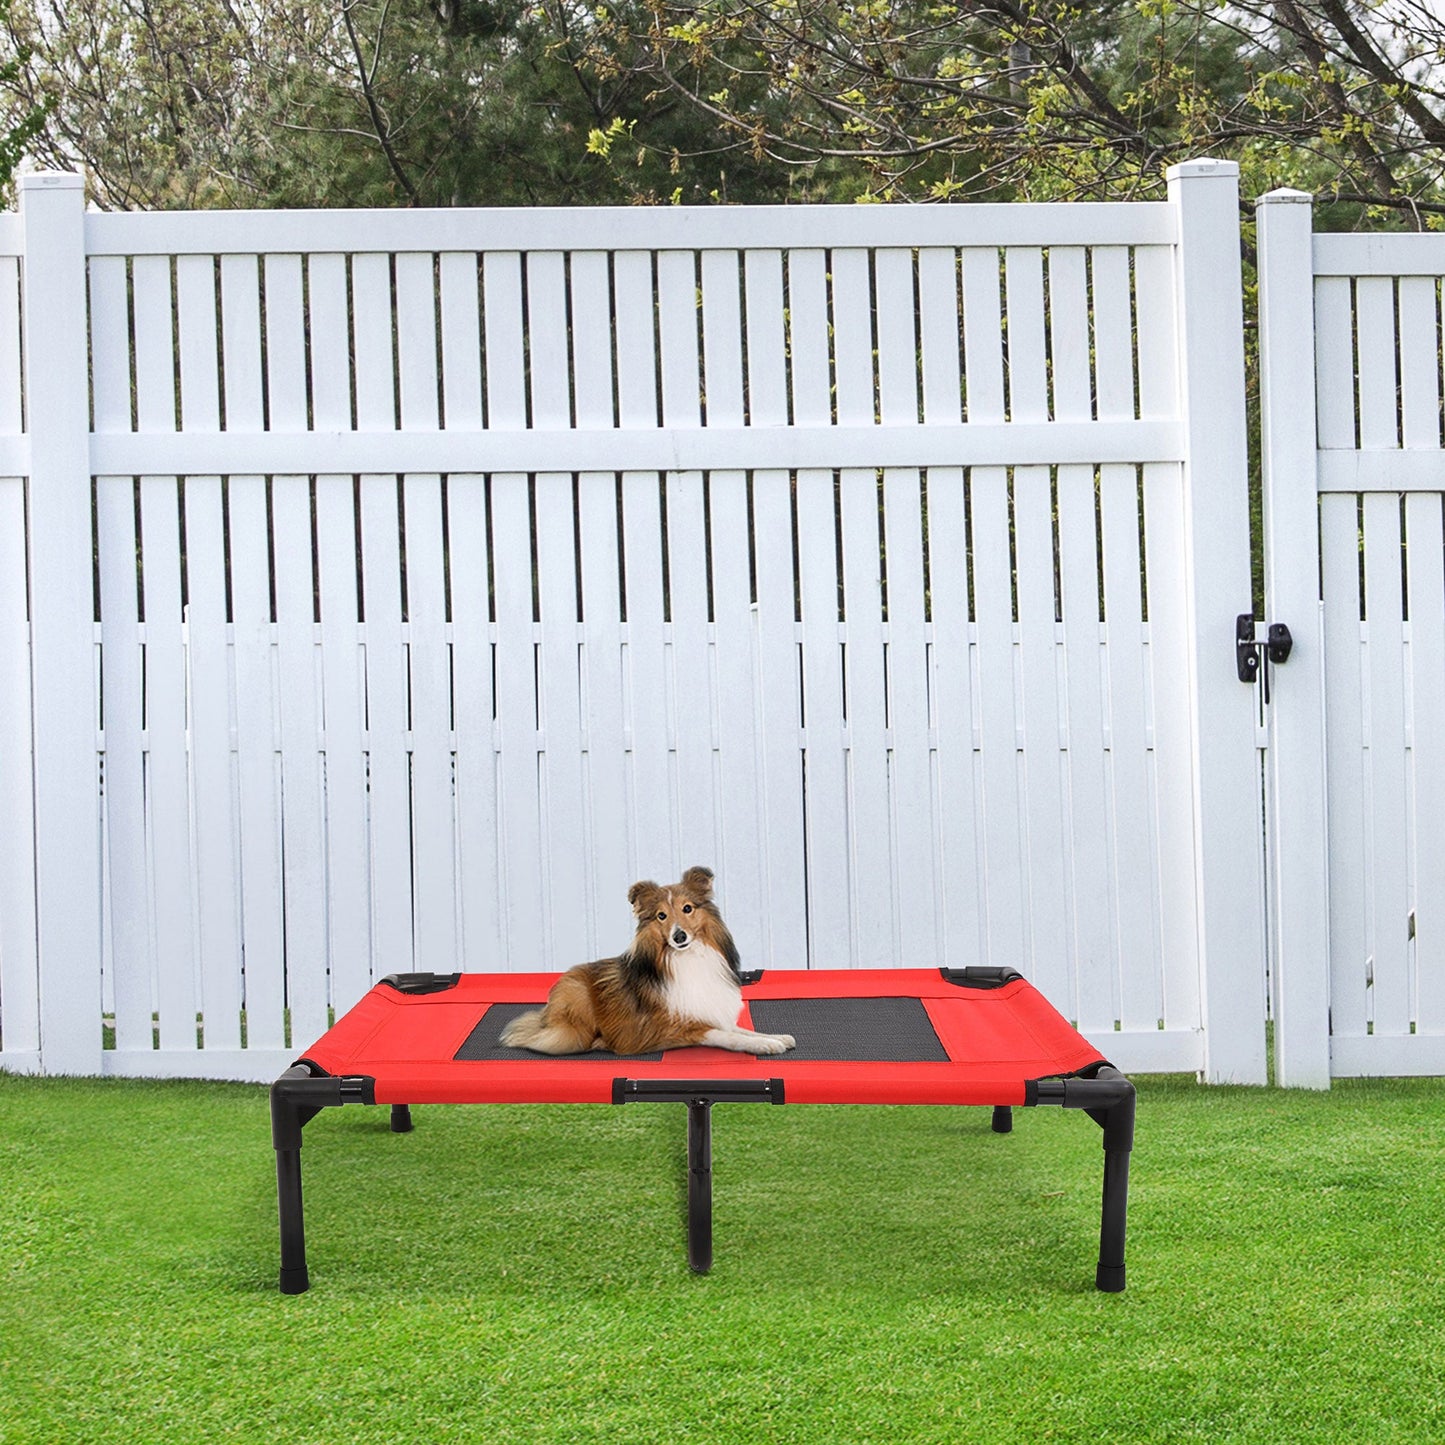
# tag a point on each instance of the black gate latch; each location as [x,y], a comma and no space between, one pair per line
[1251,657]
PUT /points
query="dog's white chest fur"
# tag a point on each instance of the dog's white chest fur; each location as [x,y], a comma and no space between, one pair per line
[703,987]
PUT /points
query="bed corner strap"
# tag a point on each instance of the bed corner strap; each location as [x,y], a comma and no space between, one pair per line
[981,976]
[420,982]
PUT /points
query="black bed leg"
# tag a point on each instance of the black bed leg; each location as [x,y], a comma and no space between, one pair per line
[1003,1119]
[1110,1276]
[699,1185]
[401,1119]
[286,1121]
[1118,1126]
[294,1278]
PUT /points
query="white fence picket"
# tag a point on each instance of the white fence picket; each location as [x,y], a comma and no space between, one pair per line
[1034,564]
[954,698]
[348,880]
[1089,877]
[1139,1004]
[429,706]
[516,713]
[167,784]
[1385,680]
[479,861]
[689,690]
[609,870]
[19,980]
[950,660]
[122,720]
[915,895]
[780,720]
[256,746]
[993,591]
[866,702]
[1340,563]
[388,766]
[344,705]
[910,836]
[1090,874]
[559,705]
[168,858]
[1426,583]
[825,758]
[1165,540]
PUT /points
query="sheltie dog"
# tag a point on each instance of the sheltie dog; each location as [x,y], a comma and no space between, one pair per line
[677,985]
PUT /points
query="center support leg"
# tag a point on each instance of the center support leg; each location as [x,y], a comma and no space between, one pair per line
[699,1185]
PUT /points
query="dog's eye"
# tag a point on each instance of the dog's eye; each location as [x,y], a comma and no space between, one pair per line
[687,907]
[661,917]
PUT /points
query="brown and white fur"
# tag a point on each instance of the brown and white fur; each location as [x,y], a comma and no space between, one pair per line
[677,985]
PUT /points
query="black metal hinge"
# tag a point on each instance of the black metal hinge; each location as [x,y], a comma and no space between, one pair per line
[1251,657]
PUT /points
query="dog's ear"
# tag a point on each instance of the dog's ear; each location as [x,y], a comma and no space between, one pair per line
[698,880]
[643,896]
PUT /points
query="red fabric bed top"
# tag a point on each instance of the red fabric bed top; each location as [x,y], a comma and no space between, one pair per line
[995,1038]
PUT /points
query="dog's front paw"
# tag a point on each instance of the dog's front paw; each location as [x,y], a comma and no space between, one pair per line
[773,1043]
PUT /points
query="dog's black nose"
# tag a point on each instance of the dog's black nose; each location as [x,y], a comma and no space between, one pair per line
[678,936]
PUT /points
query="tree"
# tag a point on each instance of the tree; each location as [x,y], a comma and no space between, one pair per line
[1045,99]
[20,122]
[345,102]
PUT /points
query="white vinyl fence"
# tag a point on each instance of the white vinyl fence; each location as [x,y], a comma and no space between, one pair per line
[389,591]
[1351,333]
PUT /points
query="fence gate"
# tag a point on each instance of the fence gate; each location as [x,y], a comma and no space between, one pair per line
[454,569]
[1354,471]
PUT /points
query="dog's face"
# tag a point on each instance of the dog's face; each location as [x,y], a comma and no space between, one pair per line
[676,914]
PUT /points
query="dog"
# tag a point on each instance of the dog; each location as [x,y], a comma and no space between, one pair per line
[678,984]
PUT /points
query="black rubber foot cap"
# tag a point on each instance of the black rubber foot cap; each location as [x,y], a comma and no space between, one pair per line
[1110,1278]
[295,1281]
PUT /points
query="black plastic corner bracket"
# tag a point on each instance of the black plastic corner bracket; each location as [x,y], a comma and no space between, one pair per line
[980,976]
[296,1098]
[420,982]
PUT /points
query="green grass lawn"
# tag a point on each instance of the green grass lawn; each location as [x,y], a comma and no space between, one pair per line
[882,1274]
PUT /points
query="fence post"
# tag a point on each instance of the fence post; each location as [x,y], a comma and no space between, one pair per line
[1228,876]
[67,835]
[1297,851]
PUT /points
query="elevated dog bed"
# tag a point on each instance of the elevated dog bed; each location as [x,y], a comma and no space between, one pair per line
[869,1036]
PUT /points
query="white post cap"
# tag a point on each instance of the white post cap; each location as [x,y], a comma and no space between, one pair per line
[1203,167]
[1286,196]
[51,181]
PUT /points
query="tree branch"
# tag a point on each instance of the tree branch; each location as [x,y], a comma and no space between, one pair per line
[378,119]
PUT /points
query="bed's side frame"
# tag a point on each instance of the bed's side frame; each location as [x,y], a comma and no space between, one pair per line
[303,1091]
